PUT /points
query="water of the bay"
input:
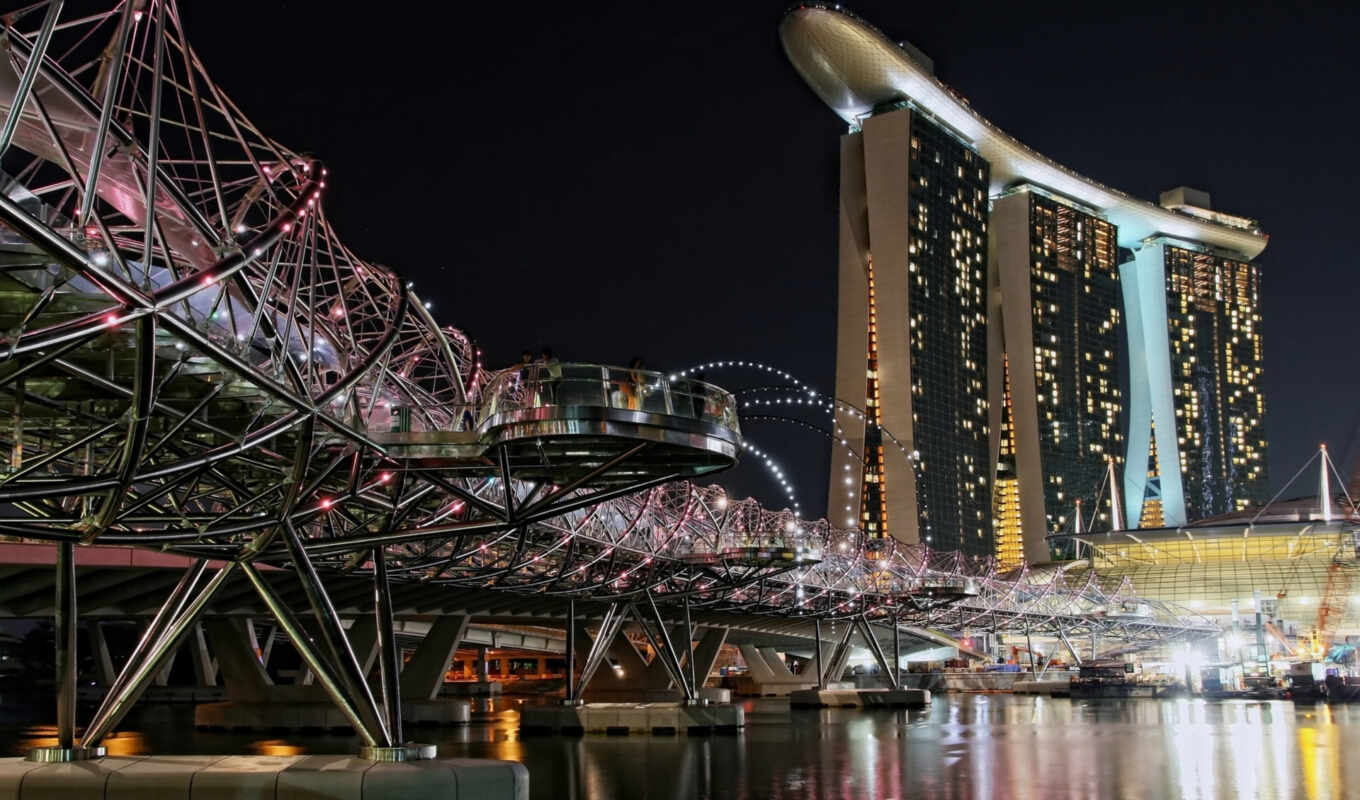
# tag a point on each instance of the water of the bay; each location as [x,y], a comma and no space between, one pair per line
[963,746]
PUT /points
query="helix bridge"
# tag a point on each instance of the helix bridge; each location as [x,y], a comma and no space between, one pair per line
[192,361]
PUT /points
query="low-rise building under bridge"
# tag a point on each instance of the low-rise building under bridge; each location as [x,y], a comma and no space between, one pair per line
[193,363]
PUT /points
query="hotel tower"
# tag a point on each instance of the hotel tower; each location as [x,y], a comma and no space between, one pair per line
[1021,351]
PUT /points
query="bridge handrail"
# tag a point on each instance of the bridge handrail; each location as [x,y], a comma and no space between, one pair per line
[555,384]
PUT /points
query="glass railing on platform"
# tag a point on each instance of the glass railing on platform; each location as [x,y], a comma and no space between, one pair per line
[551,384]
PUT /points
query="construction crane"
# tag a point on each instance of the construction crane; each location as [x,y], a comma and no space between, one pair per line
[1333,604]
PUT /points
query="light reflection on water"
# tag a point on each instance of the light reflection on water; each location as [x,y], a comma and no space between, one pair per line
[964,746]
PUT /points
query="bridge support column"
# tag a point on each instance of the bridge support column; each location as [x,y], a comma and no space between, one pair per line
[866,632]
[170,625]
[1068,644]
[244,676]
[205,666]
[610,625]
[821,670]
[756,667]
[897,652]
[65,625]
[265,647]
[103,661]
[423,675]
[706,654]
[361,721]
[346,666]
[663,644]
[363,638]
[162,676]
[776,664]
[385,647]
[840,656]
[570,652]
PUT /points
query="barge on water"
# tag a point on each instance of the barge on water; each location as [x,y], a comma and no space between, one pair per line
[1117,679]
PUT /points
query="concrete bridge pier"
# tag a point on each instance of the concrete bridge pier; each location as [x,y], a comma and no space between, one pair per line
[767,675]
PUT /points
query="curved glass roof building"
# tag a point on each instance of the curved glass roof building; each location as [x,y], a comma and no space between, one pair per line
[1059,355]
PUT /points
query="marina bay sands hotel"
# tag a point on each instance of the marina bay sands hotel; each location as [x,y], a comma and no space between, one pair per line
[1022,338]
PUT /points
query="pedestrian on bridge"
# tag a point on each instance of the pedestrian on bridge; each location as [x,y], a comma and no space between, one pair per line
[550,376]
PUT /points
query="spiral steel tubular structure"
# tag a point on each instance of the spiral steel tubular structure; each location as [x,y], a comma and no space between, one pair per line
[192,360]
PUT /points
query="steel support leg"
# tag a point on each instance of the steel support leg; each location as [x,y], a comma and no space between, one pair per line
[167,613]
[66,645]
[334,638]
[821,670]
[571,650]
[689,650]
[840,654]
[614,618]
[681,676]
[303,643]
[140,673]
[871,640]
[897,654]
[665,651]
[389,655]
[1068,644]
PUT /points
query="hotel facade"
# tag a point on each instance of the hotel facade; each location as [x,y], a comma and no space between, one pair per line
[1011,335]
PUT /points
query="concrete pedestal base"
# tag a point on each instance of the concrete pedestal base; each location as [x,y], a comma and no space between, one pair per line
[232,715]
[625,718]
[856,698]
[263,778]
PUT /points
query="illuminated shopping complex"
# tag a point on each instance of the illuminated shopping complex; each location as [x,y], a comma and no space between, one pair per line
[1034,339]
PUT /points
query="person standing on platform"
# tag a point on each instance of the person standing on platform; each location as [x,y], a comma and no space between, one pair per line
[635,382]
[525,380]
[551,377]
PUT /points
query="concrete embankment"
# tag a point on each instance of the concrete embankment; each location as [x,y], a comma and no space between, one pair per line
[264,777]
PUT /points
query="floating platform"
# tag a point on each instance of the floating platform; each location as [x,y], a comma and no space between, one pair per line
[859,698]
[264,778]
[666,719]
[323,716]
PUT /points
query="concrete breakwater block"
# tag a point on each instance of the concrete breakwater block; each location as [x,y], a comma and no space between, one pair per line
[715,695]
[860,698]
[473,689]
[1052,688]
[233,715]
[263,778]
[625,718]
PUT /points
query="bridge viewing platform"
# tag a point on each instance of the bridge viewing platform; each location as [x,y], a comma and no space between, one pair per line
[569,423]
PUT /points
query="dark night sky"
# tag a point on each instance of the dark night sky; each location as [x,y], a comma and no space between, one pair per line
[619,179]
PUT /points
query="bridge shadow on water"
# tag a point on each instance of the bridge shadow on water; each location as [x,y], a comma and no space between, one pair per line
[964,746]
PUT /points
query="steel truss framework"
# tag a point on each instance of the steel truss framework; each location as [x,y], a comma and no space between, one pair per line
[192,360]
